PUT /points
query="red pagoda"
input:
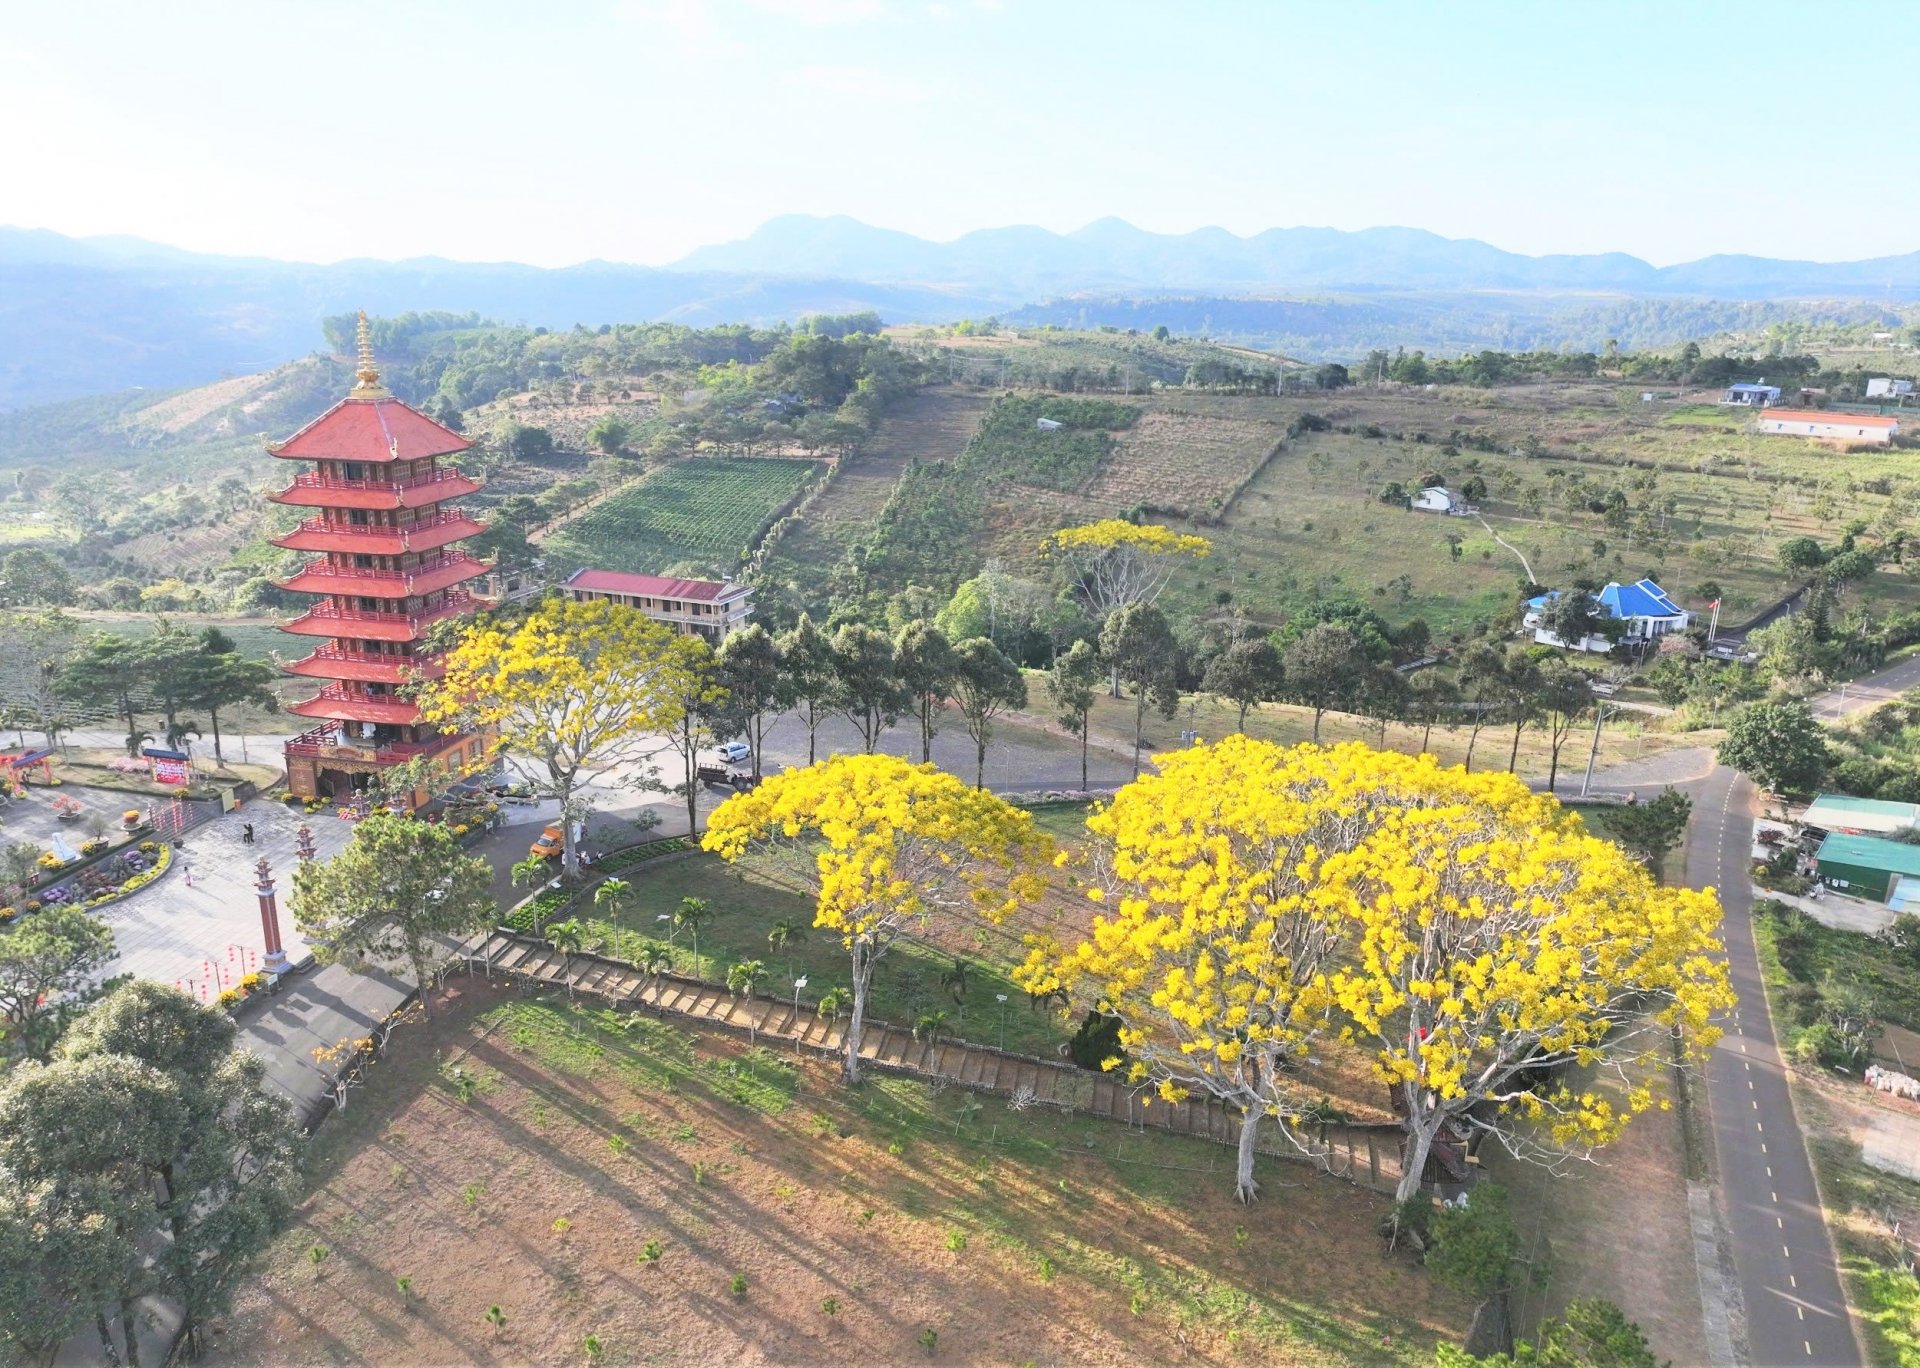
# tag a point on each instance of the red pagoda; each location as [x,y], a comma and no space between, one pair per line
[386,571]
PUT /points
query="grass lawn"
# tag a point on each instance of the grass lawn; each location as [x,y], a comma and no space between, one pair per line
[789,1219]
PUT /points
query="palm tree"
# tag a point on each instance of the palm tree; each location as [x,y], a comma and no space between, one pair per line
[784,933]
[566,937]
[745,976]
[928,1028]
[690,913]
[653,958]
[610,894]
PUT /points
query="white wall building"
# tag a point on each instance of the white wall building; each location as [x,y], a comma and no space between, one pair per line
[712,608]
[1826,425]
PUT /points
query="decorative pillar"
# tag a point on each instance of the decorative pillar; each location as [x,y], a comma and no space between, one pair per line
[303,843]
[276,961]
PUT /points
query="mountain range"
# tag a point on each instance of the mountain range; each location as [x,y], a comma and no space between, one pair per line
[1112,254]
[90,315]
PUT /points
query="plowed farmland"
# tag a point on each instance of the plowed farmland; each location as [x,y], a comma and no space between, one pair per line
[705,511]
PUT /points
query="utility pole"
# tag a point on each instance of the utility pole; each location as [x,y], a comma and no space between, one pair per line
[1599,717]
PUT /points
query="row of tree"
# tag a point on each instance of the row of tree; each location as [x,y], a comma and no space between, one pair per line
[63,676]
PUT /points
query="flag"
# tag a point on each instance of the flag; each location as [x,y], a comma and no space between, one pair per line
[1715,605]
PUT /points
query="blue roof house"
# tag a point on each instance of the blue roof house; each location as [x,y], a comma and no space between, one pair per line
[1751,396]
[1643,607]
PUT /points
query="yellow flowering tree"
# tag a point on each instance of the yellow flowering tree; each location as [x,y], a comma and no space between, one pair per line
[1472,936]
[1115,562]
[895,845]
[575,689]
[1494,946]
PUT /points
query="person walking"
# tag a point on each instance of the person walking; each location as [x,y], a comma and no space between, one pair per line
[246,833]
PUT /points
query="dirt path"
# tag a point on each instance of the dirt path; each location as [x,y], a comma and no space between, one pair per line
[1510,546]
[1369,1157]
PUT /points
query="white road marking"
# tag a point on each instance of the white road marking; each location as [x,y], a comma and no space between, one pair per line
[1769,1170]
[1772,1196]
[1763,1148]
[1792,1281]
[1800,1311]
[1785,1253]
[1756,1101]
[1780,1221]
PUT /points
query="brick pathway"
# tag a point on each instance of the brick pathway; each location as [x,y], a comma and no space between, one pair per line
[1368,1156]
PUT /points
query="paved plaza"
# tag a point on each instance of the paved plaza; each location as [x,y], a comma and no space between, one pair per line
[199,923]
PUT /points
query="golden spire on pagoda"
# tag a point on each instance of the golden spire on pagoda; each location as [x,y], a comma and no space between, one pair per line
[368,375]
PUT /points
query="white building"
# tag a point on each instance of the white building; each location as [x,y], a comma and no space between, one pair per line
[1437,499]
[1826,425]
[712,608]
[1886,388]
[1751,396]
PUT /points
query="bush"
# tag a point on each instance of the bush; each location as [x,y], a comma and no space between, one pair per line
[1822,1044]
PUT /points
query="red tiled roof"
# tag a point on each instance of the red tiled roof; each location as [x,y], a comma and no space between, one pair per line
[652,586]
[1826,416]
[370,430]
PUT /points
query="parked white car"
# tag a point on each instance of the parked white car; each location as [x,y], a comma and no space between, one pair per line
[733,752]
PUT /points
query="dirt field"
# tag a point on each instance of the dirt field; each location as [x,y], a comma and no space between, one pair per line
[1190,454]
[517,1155]
[1617,1228]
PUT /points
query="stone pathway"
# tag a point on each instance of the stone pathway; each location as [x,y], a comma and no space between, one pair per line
[1369,1156]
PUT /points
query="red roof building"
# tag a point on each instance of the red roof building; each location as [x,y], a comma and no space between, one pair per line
[711,608]
[386,568]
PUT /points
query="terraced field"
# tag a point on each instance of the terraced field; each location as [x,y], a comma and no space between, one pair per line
[702,511]
[1188,452]
[933,425]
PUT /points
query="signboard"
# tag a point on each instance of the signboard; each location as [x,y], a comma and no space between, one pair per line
[170,766]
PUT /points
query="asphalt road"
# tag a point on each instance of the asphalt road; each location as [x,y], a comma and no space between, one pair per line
[1865,694]
[1783,1257]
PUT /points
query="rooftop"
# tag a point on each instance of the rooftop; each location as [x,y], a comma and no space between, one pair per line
[1828,416]
[1832,810]
[654,586]
[1641,599]
[377,430]
[1870,852]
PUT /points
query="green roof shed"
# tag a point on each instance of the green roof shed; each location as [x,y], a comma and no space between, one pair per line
[1866,866]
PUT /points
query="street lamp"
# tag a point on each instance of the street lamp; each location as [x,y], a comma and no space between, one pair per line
[1001,998]
[1599,719]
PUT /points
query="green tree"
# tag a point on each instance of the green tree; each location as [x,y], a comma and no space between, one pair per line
[1591,1333]
[867,685]
[611,434]
[1432,699]
[750,671]
[391,894]
[1139,647]
[985,684]
[808,672]
[1247,672]
[106,672]
[220,677]
[701,709]
[188,1125]
[1647,831]
[529,443]
[1473,1249]
[1799,555]
[1071,685]
[48,966]
[30,577]
[1323,669]
[925,660]
[1572,617]
[1521,698]
[1778,745]
[1562,695]
[35,649]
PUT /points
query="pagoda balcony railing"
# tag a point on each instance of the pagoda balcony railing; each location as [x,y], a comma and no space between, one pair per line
[354,529]
[311,480]
[403,578]
[330,740]
[338,692]
[453,604]
[348,655]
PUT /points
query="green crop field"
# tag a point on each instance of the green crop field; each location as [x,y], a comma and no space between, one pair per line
[704,511]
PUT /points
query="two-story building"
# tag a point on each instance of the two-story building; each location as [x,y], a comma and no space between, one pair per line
[712,608]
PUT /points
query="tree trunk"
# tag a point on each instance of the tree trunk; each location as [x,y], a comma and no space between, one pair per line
[1425,737]
[1084,730]
[1553,764]
[1318,713]
[980,761]
[1242,728]
[1419,1143]
[1473,739]
[927,704]
[1113,681]
[1513,756]
[1244,1185]
[862,971]
[1139,725]
[107,1347]
[213,716]
[418,955]
[130,1330]
[693,796]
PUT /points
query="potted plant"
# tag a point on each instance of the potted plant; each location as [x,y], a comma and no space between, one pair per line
[67,809]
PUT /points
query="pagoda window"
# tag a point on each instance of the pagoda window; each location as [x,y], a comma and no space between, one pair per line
[358,516]
[351,470]
[363,561]
[368,605]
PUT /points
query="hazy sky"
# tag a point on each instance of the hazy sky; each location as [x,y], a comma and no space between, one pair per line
[552,131]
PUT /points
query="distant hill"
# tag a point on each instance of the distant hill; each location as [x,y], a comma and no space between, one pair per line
[97,315]
[89,316]
[1113,254]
